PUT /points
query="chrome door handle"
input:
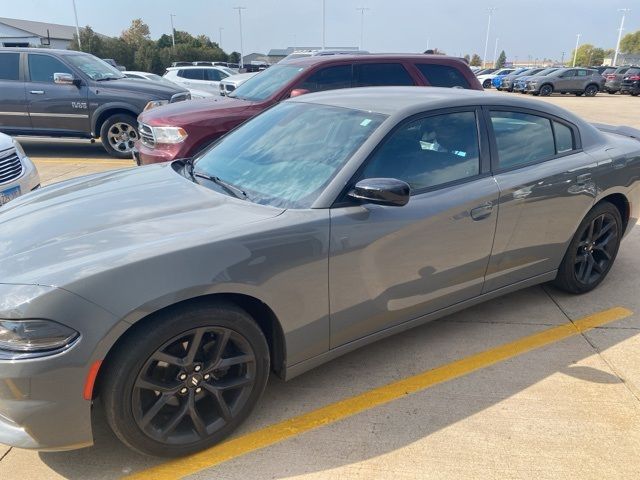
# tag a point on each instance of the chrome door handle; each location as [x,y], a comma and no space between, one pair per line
[37,92]
[482,211]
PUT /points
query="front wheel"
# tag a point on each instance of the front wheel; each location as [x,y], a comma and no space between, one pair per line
[186,380]
[592,250]
[546,90]
[118,135]
[590,91]
[486,84]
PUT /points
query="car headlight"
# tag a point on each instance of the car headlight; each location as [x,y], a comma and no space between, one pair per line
[155,103]
[34,336]
[19,149]
[169,134]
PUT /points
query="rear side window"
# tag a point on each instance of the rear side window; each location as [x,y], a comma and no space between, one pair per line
[381,74]
[521,138]
[564,138]
[442,75]
[329,78]
[42,68]
[192,73]
[9,66]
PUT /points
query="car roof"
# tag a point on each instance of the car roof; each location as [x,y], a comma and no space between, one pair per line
[55,51]
[405,101]
[191,67]
[313,60]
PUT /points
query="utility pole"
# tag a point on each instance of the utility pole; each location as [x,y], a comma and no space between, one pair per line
[486,42]
[495,53]
[324,10]
[624,13]
[562,61]
[362,10]
[75,13]
[173,31]
[575,52]
[241,45]
[220,37]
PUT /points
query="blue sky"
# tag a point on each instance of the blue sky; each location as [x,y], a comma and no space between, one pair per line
[455,26]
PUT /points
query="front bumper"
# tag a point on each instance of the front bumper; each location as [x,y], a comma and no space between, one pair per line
[28,181]
[144,155]
[41,399]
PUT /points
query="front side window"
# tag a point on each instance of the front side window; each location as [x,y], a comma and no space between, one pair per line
[429,152]
[521,138]
[286,156]
[329,78]
[215,75]
[442,75]
[381,74]
[9,66]
[42,68]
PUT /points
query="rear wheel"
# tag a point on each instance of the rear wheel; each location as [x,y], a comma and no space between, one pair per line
[188,381]
[590,91]
[118,134]
[592,250]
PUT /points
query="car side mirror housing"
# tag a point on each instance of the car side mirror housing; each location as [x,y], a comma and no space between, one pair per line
[296,92]
[64,79]
[382,191]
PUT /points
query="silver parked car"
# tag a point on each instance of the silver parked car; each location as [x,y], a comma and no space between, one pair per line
[325,223]
[18,174]
[579,81]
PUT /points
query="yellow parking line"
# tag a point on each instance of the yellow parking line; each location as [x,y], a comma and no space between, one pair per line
[378,396]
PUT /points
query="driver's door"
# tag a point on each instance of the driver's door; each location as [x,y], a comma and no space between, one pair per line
[388,264]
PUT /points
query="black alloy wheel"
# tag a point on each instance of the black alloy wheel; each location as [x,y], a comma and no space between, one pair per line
[546,90]
[193,385]
[592,251]
[486,84]
[590,91]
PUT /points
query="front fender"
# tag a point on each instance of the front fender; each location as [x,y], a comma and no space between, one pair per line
[104,108]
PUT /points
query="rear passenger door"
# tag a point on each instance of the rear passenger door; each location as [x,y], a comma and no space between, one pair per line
[14,116]
[545,190]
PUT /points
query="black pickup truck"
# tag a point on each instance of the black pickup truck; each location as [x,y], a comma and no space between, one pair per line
[63,93]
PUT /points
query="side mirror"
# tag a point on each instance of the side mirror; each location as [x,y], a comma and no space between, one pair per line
[382,191]
[63,79]
[296,92]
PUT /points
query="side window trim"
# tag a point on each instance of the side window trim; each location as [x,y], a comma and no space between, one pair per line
[342,200]
[495,167]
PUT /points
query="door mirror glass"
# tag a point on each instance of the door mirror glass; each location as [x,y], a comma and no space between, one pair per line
[63,79]
[382,191]
[296,92]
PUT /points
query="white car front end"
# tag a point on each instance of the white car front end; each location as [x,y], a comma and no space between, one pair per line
[229,84]
[18,174]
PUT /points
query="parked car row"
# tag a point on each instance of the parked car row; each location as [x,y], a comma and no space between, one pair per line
[624,80]
[544,82]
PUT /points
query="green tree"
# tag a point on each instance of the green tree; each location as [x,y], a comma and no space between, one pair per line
[630,43]
[476,61]
[502,59]
[234,57]
[136,34]
[588,55]
[91,41]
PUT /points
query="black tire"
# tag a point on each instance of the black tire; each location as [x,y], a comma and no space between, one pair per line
[486,84]
[635,94]
[545,90]
[196,372]
[117,134]
[592,250]
[535,94]
[591,90]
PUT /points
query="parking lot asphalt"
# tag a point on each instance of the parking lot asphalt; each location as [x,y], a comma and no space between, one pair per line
[538,383]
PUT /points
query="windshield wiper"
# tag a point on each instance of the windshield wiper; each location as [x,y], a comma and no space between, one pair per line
[107,78]
[229,187]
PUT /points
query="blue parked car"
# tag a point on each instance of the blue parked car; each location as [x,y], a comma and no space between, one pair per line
[497,80]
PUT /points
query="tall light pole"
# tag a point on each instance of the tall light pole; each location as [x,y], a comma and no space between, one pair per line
[575,52]
[220,36]
[624,13]
[241,45]
[495,53]
[173,31]
[324,10]
[75,13]
[362,10]
[486,42]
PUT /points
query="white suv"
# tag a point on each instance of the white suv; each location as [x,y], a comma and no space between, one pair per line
[18,174]
[201,77]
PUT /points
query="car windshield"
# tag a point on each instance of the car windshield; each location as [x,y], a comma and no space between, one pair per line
[93,67]
[266,84]
[286,156]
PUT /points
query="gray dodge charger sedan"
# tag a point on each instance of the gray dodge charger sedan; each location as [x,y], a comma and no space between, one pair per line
[323,224]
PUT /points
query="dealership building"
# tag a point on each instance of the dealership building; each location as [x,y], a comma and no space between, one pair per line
[25,33]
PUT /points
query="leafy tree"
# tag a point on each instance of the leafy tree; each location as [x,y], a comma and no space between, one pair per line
[502,59]
[234,57]
[588,55]
[136,34]
[630,43]
[476,61]
[91,41]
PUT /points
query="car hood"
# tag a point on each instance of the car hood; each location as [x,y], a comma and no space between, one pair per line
[72,229]
[158,89]
[194,111]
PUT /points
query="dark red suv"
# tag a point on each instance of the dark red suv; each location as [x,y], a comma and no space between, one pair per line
[182,130]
